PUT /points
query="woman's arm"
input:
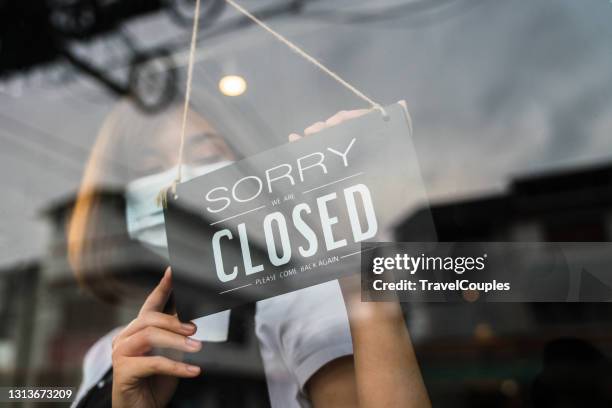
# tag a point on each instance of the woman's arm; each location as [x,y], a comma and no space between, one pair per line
[334,385]
[386,369]
[383,372]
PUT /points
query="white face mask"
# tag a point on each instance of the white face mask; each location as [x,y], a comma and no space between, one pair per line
[145,223]
[145,218]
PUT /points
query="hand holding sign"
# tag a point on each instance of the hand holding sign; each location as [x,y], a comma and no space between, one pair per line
[337,119]
[143,380]
[375,329]
[351,286]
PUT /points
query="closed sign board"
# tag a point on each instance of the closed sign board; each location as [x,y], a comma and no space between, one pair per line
[291,217]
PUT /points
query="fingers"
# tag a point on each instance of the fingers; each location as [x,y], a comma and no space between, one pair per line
[153,329]
[151,337]
[317,127]
[158,298]
[343,116]
[159,320]
[135,368]
[335,120]
[294,136]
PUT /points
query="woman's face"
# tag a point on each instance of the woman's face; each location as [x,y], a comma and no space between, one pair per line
[151,146]
[158,150]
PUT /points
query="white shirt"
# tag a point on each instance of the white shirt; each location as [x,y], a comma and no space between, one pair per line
[298,333]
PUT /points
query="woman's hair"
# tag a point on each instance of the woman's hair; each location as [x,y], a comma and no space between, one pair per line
[130,144]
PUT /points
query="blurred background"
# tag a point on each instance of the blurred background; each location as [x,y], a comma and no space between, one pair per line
[512,108]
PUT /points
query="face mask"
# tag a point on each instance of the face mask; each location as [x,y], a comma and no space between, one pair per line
[145,218]
[145,223]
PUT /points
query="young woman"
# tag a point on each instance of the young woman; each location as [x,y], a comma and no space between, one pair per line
[321,346]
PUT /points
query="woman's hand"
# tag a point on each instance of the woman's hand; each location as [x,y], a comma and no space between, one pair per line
[384,370]
[141,379]
[337,119]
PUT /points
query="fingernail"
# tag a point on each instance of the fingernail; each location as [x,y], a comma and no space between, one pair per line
[193,344]
[188,327]
[193,369]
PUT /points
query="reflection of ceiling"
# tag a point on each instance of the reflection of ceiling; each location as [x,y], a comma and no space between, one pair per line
[35,32]
[40,33]
[495,89]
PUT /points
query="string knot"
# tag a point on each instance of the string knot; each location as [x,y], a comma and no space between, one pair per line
[382,111]
[162,197]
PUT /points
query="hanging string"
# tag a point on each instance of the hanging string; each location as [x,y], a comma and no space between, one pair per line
[192,50]
[306,56]
[281,38]
[162,196]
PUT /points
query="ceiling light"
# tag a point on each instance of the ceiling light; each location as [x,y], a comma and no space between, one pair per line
[232,85]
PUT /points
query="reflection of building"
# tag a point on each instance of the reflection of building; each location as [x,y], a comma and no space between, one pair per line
[487,354]
[17,299]
[568,206]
